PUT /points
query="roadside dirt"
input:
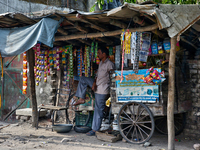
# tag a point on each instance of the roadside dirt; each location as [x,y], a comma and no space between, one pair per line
[21,136]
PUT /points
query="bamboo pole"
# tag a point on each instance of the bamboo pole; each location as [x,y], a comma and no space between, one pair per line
[171,94]
[33,93]
[104,34]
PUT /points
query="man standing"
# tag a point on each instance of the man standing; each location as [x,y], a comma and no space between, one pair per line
[100,85]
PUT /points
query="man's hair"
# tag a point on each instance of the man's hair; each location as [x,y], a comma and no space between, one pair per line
[104,50]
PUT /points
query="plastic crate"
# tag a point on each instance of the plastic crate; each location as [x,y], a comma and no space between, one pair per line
[80,119]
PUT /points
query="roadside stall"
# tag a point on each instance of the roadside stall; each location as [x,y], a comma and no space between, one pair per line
[144,58]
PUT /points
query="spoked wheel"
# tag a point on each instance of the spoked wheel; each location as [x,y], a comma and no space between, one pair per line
[70,113]
[136,122]
[179,123]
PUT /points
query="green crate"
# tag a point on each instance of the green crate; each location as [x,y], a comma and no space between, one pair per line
[80,119]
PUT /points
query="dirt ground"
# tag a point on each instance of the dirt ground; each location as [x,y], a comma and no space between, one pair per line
[21,136]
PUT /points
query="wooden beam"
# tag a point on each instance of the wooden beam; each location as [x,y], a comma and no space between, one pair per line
[85,42]
[81,28]
[149,17]
[94,26]
[104,34]
[171,94]
[62,31]
[70,22]
[31,61]
[68,27]
[105,40]
[186,41]
[142,23]
[118,23]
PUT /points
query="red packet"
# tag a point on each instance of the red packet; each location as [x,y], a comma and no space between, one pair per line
[156,75]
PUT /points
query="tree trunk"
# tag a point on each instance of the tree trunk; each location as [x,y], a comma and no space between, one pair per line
[32,85]
[171,94]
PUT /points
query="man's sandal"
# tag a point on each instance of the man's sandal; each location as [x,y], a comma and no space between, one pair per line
[91,133]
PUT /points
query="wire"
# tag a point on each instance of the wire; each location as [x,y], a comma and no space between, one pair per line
[11,7]
[129,24]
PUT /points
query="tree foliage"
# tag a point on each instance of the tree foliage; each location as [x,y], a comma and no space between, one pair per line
[100,3]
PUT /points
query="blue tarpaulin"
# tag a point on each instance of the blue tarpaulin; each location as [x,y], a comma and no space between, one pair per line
[15,41]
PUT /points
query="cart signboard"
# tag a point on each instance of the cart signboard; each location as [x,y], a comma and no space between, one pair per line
[133,88]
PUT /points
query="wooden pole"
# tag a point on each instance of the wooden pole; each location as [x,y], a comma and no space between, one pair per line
[171,94]
[32,82]
[57,91]
[104,34]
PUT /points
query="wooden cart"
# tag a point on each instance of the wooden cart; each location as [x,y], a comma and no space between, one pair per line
[142,108]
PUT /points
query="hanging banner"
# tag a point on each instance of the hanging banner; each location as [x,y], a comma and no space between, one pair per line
[133,88]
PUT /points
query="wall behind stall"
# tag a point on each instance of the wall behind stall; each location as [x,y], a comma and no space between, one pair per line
[27,6]
[13,87]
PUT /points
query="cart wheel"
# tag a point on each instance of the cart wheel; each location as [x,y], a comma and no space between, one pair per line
[136,122]
[179,123]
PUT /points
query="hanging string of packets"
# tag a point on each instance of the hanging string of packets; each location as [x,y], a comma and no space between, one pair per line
[123,49]
[70,73]
[92,58]
[67,61]
[136,52]
[42,65]
[79,61]
[24,89]
[111,53]
[127,42]
[87,61]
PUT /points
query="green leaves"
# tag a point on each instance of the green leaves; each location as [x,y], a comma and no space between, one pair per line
[92,9]
[100,3]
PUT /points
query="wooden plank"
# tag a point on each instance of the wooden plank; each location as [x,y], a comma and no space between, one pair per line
[171,95]
[104,34]
[108,137]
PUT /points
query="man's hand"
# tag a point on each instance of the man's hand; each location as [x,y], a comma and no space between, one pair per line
[94,87]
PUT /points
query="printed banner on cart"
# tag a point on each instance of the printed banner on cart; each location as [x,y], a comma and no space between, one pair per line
[132,88]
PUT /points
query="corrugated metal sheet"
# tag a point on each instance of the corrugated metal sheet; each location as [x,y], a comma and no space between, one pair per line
[174,18]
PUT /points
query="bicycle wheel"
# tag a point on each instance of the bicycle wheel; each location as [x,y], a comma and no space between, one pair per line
[71,113]
[136,122]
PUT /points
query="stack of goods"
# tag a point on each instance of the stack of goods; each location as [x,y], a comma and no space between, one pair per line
[153,76]
[24,91]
